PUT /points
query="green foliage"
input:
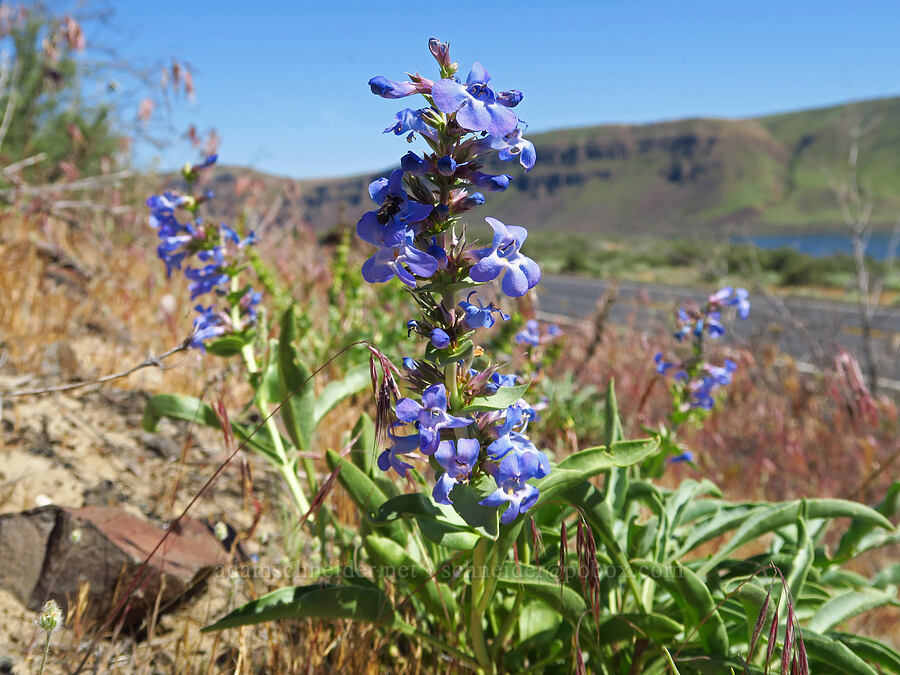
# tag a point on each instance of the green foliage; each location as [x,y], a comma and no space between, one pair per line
[634,593]
[49,113]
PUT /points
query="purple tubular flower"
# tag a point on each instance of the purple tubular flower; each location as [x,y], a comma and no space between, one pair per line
[412,163]
[440,51]
[521,272]
[381,86]
[446,165]
[409,120]
[714,325]
[206,163]
[683,457]
[741,302]
[662,367]
[387,229]
[439,338]
[402,260]
[401,445]
[458,460]
[480,316]
[209,277]
[511,146]
[722,375]
[530,335]
[396,206]
[510,477]
[488,181]
[162,213]
[438,253]
[473,201]
[738,298]
[431,416]
[498,380]
[477,106]
[206,326]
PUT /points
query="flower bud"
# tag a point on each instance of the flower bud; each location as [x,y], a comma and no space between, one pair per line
[446,165]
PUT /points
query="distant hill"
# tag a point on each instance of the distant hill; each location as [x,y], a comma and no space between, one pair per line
[695,175]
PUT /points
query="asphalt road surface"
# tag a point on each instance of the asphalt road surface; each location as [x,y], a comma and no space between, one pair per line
[809,330]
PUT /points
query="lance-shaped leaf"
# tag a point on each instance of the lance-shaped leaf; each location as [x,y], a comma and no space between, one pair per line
[311,602]
[583,465]
[695,601]
[779,515]
[296,384]
[502,399]
[834,654]
[846,605]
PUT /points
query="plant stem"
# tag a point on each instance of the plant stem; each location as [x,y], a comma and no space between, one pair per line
[506,627]
[479,568]
[44,655]
[285,466]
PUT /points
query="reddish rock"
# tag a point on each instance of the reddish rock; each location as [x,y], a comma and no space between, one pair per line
[41,556]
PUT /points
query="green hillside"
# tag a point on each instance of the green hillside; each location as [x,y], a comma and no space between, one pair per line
[687,176]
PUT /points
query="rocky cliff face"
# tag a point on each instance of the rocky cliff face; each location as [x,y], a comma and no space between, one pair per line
[707,175]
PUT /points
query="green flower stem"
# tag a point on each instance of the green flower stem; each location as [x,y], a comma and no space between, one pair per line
[44,655]
[506,627]
[479,568]
[285,466]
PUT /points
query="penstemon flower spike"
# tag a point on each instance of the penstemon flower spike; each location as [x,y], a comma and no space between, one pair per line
[413,229]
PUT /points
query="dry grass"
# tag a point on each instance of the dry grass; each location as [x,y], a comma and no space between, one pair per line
[88,297]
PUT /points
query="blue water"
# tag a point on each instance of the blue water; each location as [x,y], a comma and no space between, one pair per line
[821,245]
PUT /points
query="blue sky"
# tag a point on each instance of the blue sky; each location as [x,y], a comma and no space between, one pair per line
[284,83]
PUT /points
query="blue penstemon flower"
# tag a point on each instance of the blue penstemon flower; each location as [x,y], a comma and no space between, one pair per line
[511,476]
[217,249]
[430,416]
[521,272]
[480,316]
[476,105]
[417,240]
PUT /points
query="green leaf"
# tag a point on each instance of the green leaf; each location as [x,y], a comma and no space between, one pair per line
[540,584]
[872,650]
[335,392]
[803,559]
[847,605]
[311,602]
[438,598]
[444,357]
[834,654]
[466,498]
[367,496]
[727,518]
[440,523]
[502,399]
[612,424]
[228,345]
[853,538]
[687,493]
[295,381]
[777,516]
[695,601]
[582,465]
[364,449]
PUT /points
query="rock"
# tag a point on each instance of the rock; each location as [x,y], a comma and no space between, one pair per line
[161,446]
[50,551]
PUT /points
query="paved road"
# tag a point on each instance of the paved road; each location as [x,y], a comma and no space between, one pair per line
[810,330]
